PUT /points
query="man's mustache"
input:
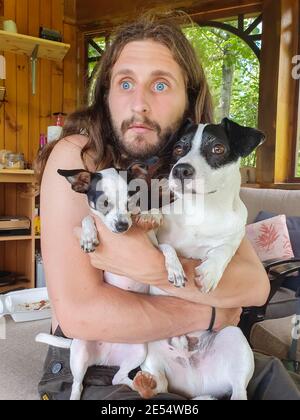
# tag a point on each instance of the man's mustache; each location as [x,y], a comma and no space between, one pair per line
[145,121]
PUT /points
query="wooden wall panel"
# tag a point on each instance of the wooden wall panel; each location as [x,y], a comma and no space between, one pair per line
[287,89]
[25,116]
[45,88]
[70,77]
[267,114]
[34,100]
[22,84]
[57,70]
[10,132]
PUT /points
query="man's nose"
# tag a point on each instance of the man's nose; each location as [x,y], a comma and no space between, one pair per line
[183,171]
[140,102]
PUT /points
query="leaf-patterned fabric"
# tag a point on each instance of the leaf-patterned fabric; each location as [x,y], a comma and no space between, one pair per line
[270,238]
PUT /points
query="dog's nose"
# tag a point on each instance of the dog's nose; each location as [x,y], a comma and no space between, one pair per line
[183,171]
[122,226]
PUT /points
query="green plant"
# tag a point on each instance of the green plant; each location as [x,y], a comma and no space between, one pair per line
[232,70]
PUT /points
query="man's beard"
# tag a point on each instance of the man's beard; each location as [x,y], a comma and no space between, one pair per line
[140,148]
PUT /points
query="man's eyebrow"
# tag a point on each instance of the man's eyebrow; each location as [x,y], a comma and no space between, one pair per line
[155,73]
[163,73]
[123,72]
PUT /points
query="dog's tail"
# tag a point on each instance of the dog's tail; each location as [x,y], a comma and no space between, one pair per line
[63,343]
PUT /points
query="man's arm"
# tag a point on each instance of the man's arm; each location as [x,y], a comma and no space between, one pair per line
[83,304]
[244,282]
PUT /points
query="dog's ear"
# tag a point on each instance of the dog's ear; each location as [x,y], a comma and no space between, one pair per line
[243,140]
[137,170]
[186,127]
[80,179]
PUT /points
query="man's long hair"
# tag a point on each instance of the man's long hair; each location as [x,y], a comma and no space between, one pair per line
[95,121]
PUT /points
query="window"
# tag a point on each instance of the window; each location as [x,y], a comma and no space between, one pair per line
[96,47]
[229,52]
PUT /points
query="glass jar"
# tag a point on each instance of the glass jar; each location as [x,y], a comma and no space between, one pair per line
[15,161]
[3,158]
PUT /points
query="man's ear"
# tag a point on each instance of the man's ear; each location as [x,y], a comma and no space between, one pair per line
[78,178]
[243,140]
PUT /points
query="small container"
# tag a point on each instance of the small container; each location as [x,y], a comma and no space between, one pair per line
[54,131]
[40,273]
[3,158]
[15,161]
[19,305]
[37,223]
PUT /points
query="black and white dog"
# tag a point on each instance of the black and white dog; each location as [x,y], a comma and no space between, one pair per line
[211,229]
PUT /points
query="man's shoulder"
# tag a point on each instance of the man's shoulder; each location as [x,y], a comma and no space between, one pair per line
[76,141]
[67,152]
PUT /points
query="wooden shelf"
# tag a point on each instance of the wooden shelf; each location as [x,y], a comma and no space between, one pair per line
[25,45]
[17,176]
[15,238]
[17,171]
[17,252]
[12,287]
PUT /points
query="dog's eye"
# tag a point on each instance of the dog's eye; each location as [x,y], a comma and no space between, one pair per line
[105,203]
[178,150]
[218,149]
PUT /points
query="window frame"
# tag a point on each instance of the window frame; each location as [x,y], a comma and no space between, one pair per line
[296,120]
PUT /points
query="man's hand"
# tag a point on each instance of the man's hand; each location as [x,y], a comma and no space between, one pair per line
[130,255]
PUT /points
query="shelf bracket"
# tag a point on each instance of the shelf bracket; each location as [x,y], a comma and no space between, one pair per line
[33,59]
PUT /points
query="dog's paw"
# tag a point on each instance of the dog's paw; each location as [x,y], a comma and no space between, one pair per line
[176,275]
[89,241]
[145,384]
[148,220]
[174,268]
[208,276]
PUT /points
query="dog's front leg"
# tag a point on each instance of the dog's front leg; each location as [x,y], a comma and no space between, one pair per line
[89,235]
[210,272]
[174,268]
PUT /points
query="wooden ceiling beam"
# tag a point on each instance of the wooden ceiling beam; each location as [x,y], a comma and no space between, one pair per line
[110,13]
[70,11]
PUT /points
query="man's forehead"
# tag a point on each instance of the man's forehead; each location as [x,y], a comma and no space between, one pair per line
[146,55]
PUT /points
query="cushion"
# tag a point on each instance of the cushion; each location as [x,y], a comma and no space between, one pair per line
[270,238]
[274,338]
[283,304]
[273,200]
[293,225]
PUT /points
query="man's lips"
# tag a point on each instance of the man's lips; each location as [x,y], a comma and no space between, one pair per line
[139,128]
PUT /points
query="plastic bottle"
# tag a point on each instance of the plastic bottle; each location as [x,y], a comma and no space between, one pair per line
[54,131]
[43,142]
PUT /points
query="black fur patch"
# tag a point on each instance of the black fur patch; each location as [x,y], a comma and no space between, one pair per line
[237,141]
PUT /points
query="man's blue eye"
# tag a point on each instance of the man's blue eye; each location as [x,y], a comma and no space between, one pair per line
[160,86]
[126,85]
